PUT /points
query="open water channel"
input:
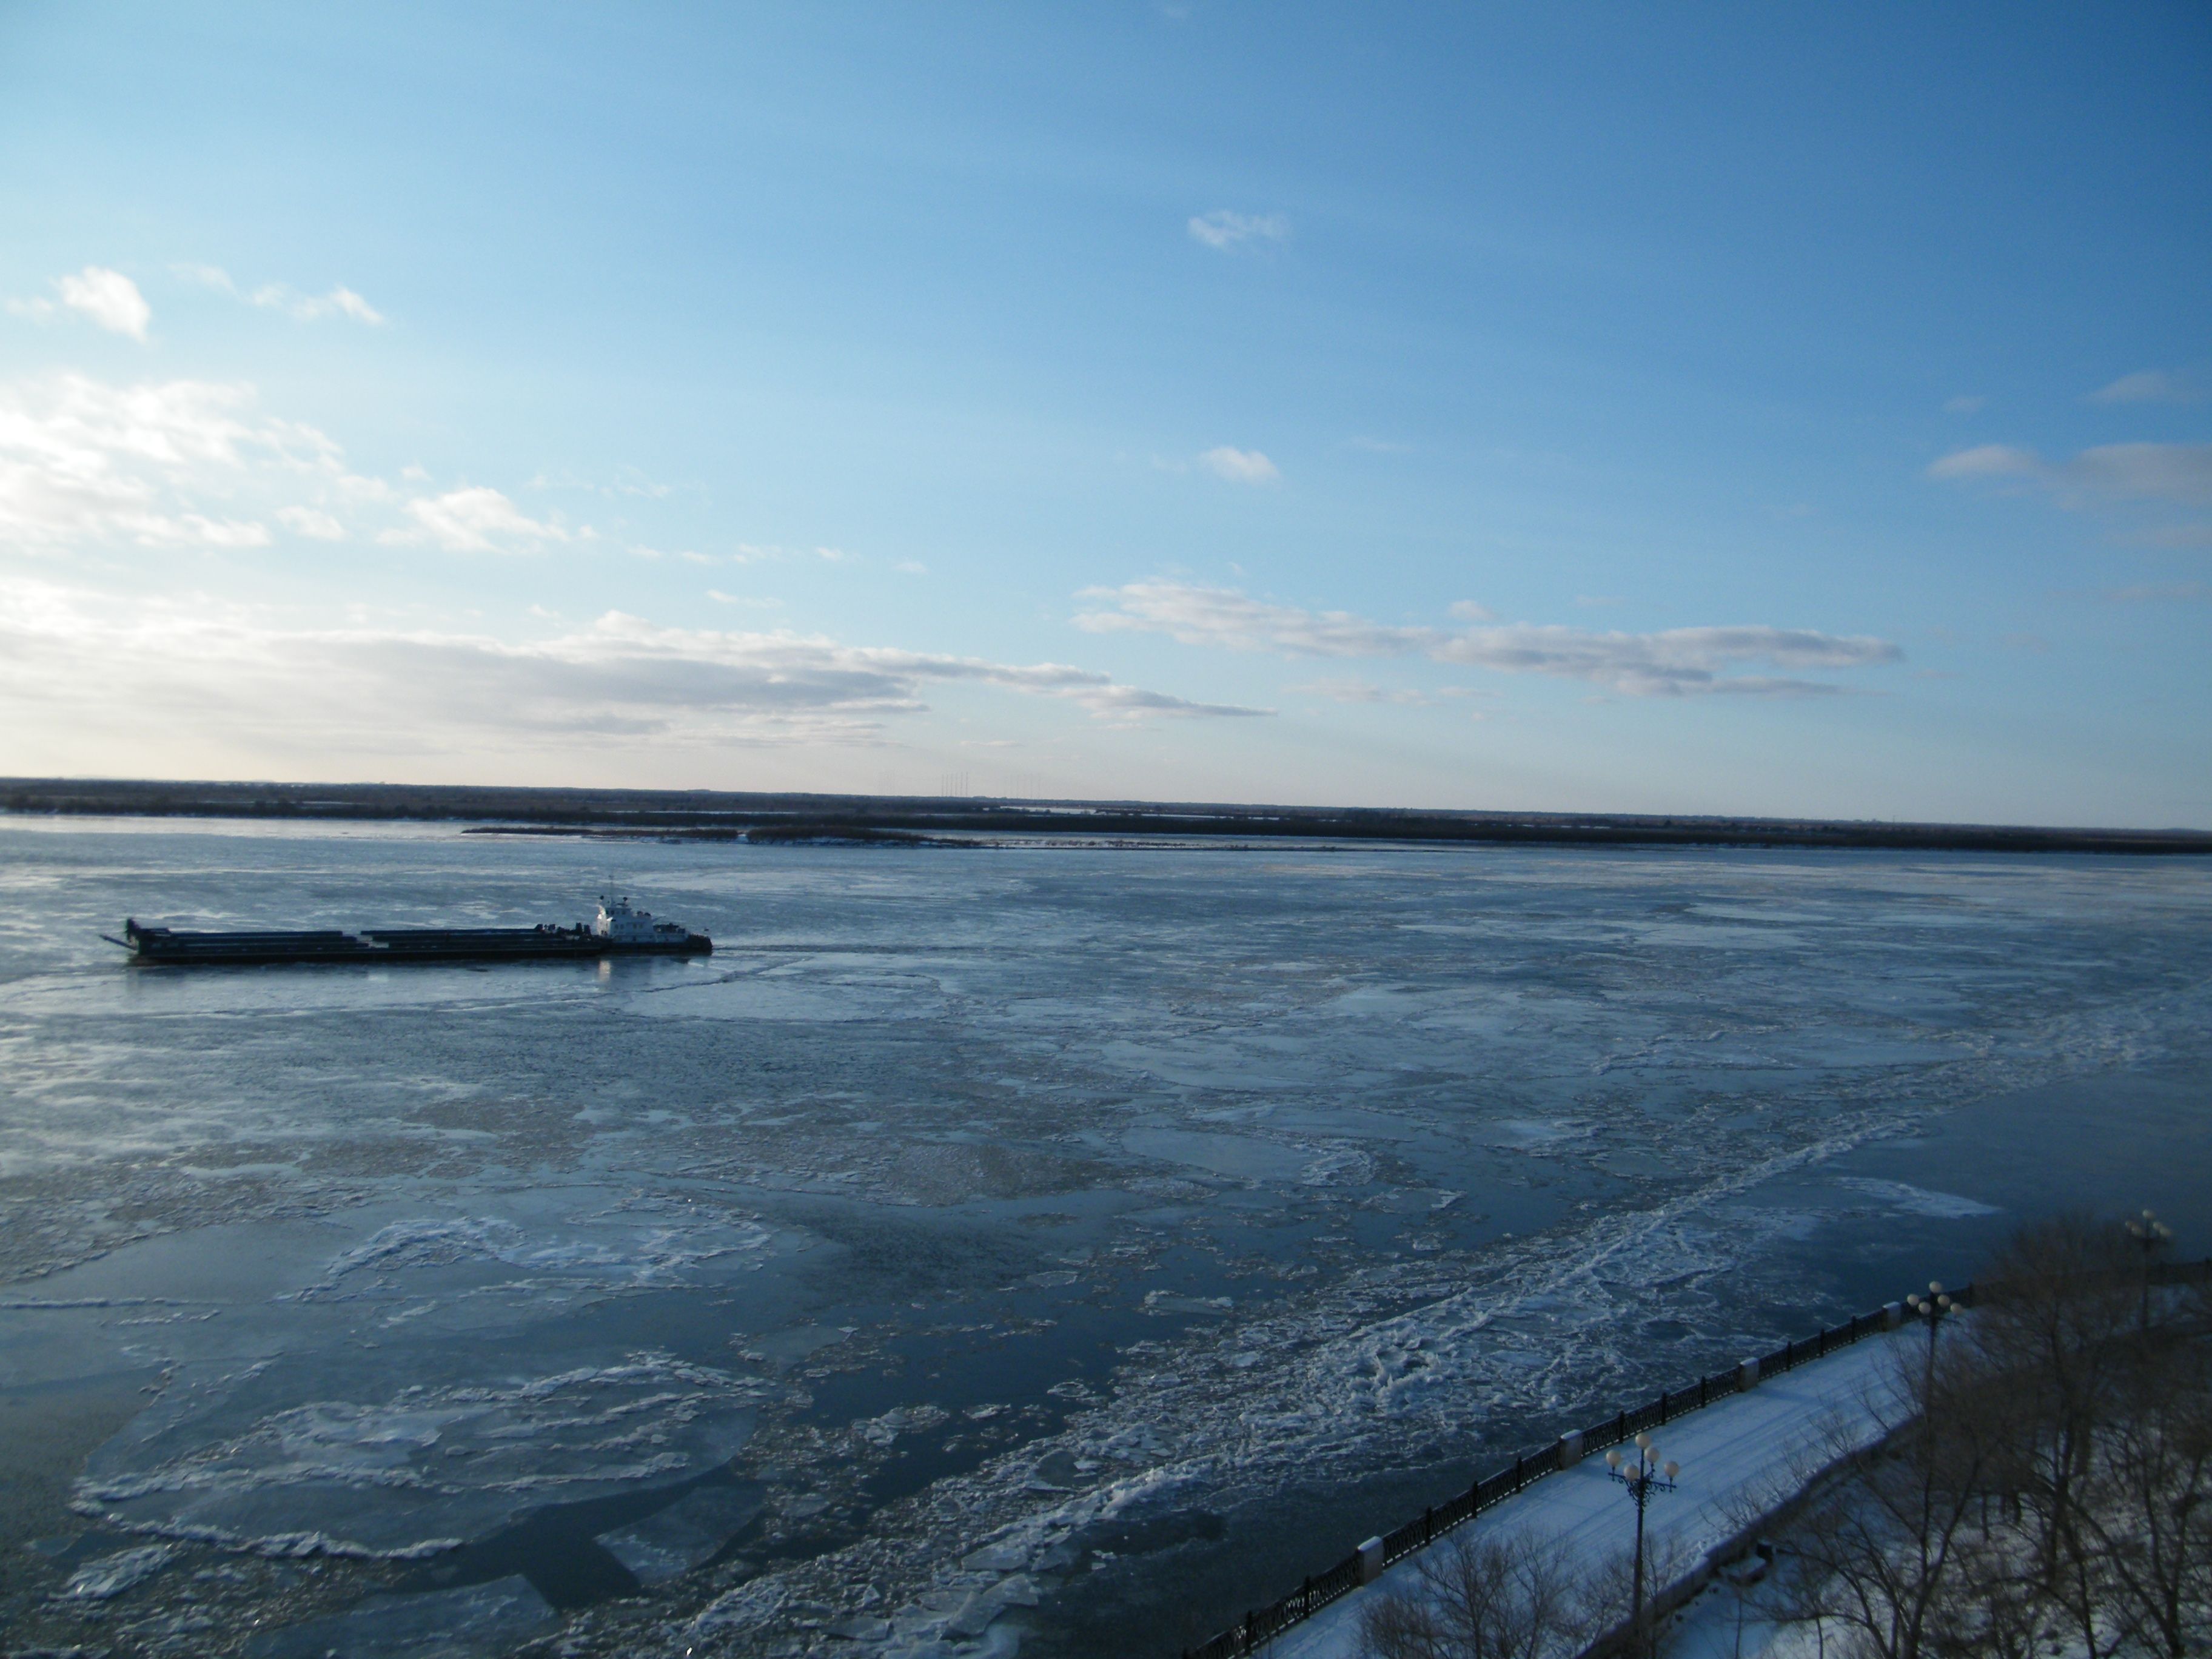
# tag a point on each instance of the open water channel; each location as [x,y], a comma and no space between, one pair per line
[1050,1249]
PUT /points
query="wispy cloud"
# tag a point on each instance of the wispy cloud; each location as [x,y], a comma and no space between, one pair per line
[1246,466]
[2149,385]
[1965,404]
[2140,470]
[168,463]
[1363,691]
[338,301]
[311,521]
[1987,461]
[1224,230]
[106,297]
[1224,617]
[476,519]
[109,299]
[86,464]
[263,683]
[624,480]
[1673,662]
[757,553]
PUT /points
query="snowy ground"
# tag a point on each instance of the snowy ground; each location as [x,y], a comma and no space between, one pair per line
[1739,1458]
[981,1247]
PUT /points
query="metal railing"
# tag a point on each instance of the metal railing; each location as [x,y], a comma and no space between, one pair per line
[1262,1625]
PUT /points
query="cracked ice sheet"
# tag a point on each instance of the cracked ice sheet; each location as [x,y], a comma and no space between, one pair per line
[411,1472]
[418,1444]
[670,1542]
[515,1179]
[477,1622]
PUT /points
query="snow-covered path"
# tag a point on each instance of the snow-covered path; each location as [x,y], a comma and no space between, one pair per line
[1738,1457]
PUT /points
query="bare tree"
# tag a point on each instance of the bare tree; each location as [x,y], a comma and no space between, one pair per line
[1480,1598]
[1879,1553]
[2042,1483]
[1995,1606]
[2148,1523]
[1605,1594]
[2047,1483]
[2058,1298]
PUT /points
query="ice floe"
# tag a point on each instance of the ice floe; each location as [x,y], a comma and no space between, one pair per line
[420,1471]
[475,1622]
[1919,1200]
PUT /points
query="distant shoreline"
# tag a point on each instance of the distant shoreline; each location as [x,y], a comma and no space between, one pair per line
[935,820]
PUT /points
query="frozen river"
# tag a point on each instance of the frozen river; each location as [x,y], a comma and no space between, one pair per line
[1053,1248]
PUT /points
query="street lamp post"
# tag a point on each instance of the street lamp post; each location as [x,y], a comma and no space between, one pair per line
[1642,1474]
[2151,1235]
[1932,1307]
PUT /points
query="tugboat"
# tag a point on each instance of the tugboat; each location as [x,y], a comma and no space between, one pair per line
[616,930]
[626,930]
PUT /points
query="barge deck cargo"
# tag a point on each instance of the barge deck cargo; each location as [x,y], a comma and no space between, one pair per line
[617,930]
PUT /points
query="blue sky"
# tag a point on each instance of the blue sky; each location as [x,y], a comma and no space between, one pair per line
[1727,409]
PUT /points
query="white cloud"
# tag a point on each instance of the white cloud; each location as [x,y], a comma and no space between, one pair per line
[86,465]
[911,567]
[158,463]
[755,553]
[339,301]
[473,520]
[1240,465]
[2149,385]
[193,530]
[1222,229]
[107,297]
[1224,617]
[627,480]
[206,275]
[1987,461]
[1362,691]
[268,685]
[311,521]
[2163,472]
[1965,404]
[313,307]
[1673,662]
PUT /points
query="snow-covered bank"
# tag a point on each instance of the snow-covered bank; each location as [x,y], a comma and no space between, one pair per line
[1740,1457]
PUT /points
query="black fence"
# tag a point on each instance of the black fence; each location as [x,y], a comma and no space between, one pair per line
[1262,1625]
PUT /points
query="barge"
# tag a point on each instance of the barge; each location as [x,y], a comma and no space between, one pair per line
[616,930]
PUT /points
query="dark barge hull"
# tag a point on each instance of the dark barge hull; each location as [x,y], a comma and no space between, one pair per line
[384,947]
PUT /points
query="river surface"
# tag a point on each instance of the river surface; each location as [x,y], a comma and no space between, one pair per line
[1056,1250]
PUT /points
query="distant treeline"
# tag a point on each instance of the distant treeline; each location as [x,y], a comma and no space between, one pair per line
[709,814]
